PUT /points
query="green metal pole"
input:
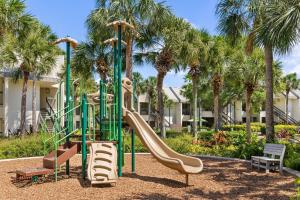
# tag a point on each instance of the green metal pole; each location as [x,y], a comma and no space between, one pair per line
[132,151]
[115,90]
[101,110]
[132,133]
[68,78]
[120,143]
[83,133]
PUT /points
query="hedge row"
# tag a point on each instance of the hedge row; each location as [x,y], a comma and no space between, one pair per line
[259,127]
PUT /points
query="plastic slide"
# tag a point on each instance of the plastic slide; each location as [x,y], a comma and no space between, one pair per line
[164,154]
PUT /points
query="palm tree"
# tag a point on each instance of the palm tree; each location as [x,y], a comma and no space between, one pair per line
[291,82]
[247,71]
[168,103]
[139,87]
[139,83]
[160,45]
[90,57]
[150,89]
[216,62]
[244,17]
[136,12]
[34,54]
[12,17]
[194,52]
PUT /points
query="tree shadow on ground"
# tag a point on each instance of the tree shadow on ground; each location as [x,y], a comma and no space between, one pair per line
[152,196]
[164,181]
[239,192]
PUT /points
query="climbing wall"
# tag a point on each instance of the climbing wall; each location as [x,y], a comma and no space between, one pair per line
[102,163]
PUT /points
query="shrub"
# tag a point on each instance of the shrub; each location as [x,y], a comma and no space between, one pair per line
[245,151]
[138,147]
[26,146]
[173,133]
[289,129]
[220,138]
[255,127]
[206,135]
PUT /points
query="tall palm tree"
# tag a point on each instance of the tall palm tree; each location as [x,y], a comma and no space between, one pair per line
[245,17]
[194,52]
[12,17]
[136,12]
[160,45]
[168,103]
[34,54]
[216,62]
[139,83]
[139,87]
[150,89]
[247,71]
[90,57]
[291,82]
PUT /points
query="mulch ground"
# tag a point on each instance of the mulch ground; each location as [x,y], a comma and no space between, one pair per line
[219,180]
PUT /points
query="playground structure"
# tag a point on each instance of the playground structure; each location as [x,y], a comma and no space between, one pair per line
[106,145]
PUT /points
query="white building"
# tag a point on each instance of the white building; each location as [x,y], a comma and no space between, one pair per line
[179,114]
[10,97]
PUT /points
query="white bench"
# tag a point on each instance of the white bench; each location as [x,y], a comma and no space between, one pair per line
[272,159]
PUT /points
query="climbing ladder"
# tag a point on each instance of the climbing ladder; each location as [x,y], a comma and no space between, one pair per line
[102,166]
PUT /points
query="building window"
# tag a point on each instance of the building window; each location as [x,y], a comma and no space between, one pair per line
[77,124]
[1,98]
[144,108]
[185,123]
[1,126]
[77,111]
[186,109]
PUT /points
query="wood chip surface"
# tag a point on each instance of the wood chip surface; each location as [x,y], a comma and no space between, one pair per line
[219,180]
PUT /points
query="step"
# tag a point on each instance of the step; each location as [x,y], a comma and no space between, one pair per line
[63,154]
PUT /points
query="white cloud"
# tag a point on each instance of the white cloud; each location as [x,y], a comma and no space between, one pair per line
[192,24]
[291,62]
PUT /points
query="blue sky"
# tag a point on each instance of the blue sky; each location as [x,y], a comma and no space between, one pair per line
[67,17]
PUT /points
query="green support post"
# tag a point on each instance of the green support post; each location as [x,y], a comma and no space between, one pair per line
[101,104]
[115,107]
[132,151]
[133,134]
[67,120]
[83,133]
[120,143]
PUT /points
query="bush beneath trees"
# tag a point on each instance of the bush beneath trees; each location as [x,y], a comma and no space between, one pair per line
[224,143]
[260,127]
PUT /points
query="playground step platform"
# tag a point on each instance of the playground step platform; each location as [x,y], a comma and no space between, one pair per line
[27,173]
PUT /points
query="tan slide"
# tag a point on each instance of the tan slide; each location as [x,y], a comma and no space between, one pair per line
[163,153]
[102,166]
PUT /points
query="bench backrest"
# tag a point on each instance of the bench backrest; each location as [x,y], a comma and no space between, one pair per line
[274,150]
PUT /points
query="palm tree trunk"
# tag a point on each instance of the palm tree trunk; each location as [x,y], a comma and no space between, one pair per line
[269,93]
[160,103]
[287,107]
[195,97]
[220,113]
[23,102]
[248,114]
[216,93]
[129,42]
[34,125]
